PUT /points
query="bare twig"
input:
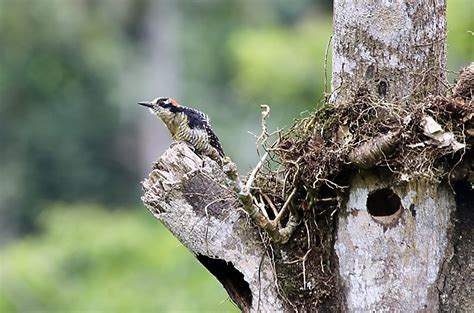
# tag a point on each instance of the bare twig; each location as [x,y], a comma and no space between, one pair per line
[248,204]
[326,95]
[249,183]
[262,139]
[285,206]
[270,203]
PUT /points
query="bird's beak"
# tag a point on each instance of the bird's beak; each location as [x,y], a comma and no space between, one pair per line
[146,104]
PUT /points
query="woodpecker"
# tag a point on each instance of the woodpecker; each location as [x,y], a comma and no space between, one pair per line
[188,125]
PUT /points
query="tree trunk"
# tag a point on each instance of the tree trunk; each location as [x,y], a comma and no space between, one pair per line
[191,196]
[394,49]
[383,242]
[395,236]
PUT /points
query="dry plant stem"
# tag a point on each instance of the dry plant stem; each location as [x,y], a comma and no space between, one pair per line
[264,135]
[249,183]
[285,206]
[280,235]
[326,94]
[249,203]
[270,203]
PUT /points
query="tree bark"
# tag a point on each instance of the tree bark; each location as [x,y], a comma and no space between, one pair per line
[383,244]
[392,259]
[394,49]
[193,198]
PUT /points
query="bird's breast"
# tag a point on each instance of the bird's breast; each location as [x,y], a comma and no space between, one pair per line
[172,121]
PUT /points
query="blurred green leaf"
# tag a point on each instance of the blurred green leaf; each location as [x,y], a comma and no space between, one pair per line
[91,260]
[60,60]
[460,33]
[281,65]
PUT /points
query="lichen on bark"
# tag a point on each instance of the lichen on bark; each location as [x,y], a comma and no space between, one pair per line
[394,49]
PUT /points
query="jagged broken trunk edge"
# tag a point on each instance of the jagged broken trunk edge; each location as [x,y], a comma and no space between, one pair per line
[395,50]
[191,197]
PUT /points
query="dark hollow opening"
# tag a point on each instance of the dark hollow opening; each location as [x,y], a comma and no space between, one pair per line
[383,202]
[382,88]
[232,280]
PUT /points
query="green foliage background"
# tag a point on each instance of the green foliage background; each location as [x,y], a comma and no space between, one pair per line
[69,127]
[58,123]
[118,261]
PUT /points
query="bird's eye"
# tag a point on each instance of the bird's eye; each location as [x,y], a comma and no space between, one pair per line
[164,103]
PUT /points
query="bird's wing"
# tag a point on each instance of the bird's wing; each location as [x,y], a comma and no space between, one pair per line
[214,140]
[198,119]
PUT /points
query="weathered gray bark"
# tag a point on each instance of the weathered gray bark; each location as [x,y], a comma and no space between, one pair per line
[395,49]
[195,201]
[195,198]
[392,262]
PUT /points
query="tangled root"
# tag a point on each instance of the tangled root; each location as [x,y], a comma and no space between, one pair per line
[305,168]
[413,140]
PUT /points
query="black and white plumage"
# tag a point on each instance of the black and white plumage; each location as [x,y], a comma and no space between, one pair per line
[188,125]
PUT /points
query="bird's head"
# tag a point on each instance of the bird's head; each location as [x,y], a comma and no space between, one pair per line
[161,106]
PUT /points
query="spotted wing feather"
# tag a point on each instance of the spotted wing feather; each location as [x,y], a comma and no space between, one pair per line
[214,141]
[197,119]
